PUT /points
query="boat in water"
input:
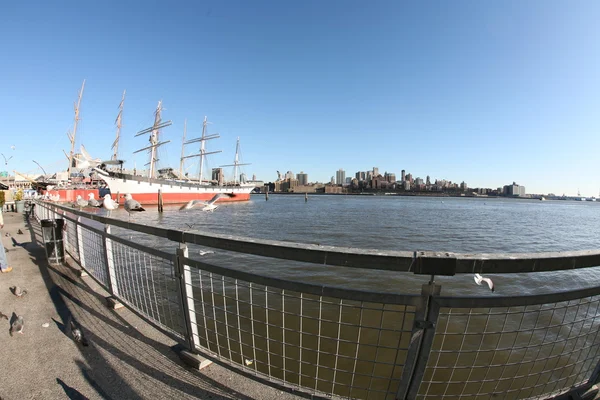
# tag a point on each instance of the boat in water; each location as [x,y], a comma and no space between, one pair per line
[170,186]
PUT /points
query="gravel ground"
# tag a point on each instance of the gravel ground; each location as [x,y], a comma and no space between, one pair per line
[126,357]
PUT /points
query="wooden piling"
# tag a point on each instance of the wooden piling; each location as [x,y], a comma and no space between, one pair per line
[305,196]
[117,199]
[267,195]
[160,201]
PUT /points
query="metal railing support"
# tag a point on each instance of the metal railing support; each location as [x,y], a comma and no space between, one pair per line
[186,292]
[113,289]
[80,243]
[421,339]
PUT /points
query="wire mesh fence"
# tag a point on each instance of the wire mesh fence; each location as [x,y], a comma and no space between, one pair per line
[332,342]
[534,351]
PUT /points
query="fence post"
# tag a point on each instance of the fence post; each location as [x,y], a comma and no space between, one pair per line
[113,289]
[186,292]
[421,339]
[80,243]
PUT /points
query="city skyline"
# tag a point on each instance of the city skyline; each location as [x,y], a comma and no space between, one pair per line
[483,93]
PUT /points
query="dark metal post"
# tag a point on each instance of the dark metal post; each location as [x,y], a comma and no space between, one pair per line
[420,342]
[160,201]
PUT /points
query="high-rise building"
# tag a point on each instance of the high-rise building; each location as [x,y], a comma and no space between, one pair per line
[289,175]
[375,171]
[340,177]
[403,176]
[348,180]
[390,177]
[302,178]
[242,178]
[361,176]
[428,181]
[217,175]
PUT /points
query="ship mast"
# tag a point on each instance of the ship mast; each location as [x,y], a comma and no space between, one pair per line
[154,131]
[182,147]
[236,162]
[203,152]
[118,122]
[72,136]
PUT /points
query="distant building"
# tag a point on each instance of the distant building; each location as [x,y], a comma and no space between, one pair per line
[428,181]
[289,175]
[217,175]
[513,190]
[390,177]
[361,176]
[406,185]
[242,178]
[403,176]
[340,177]
[375,171]
[463,186]
[418,181]
[302,178]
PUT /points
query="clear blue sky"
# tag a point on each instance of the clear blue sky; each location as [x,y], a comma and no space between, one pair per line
[486,92]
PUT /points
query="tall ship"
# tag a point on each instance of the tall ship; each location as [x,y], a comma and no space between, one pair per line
[173,187]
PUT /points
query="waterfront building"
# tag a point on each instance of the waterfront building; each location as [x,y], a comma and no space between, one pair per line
[390,177]
[418,181]
[409,178]
[463,186]
[302,178]
[513,190]
[428,181]
[289,175]
[403,176]
[340,177]
[375,171]
[361,176]
[406,185]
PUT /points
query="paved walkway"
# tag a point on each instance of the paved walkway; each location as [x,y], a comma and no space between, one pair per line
[126,358]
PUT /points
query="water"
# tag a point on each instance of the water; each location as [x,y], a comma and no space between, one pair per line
[462,225]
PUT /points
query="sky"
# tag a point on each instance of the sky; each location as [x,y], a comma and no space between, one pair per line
[482,92]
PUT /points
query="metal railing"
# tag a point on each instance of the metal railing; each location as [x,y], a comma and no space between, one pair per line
[328,341]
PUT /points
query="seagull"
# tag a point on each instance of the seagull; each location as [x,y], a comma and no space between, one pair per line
[80,202]
[109,203]
[18,291]
[77,333]
[208,205]
[6,160]
[132,205]
[92,201]
[17,325]
[478,279]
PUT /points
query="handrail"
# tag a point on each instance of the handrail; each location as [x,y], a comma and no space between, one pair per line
[417,262]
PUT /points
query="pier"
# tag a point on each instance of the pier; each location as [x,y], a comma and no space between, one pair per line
[313,340]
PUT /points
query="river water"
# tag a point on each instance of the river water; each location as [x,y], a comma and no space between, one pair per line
[461,225]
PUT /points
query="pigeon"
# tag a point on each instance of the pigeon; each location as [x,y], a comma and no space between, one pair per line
[17,325]
[80,202]
[92,201]
[132,205]
[478,279]
[19,232]
[77,333]
[3,316]
[18,291]
[208,205]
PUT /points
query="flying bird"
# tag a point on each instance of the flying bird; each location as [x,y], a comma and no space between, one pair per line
[207,205]
[478,279]
[109,203]
[92,201]
[132,205]
[18,291]
[6,160]
[17,325]
[77,333]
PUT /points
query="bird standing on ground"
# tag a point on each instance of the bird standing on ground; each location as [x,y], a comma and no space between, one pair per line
[18,291]
[17,325]
[80,202]
[92,201]
[478,279]
[208,205]
[77,333]
[132,205]
[109,203]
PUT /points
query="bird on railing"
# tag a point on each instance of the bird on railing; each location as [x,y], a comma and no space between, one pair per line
[207,205]
[205,252]
[109,203]
[132,205]
[92,201]
[479,279]
[80,202]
